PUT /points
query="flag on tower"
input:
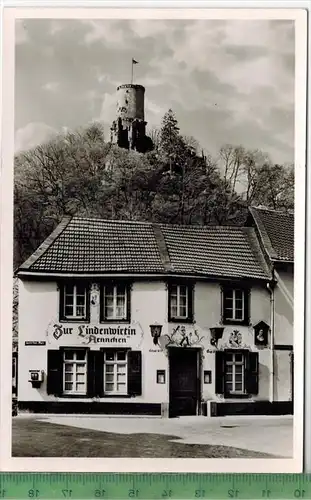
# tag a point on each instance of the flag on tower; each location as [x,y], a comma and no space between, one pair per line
[134,61]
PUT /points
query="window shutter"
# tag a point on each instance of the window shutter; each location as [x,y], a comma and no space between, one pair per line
[95,377]
[219,372]
[191,301]
[55,373]
[251,373]
[169,292]
[61,301]
[88,301]
[128,302]
[102,303]
[134,381]
[222,314]
[247,296]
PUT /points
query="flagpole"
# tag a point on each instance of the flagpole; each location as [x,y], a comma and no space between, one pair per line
[132,68]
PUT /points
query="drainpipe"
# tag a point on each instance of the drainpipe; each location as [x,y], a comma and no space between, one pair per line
[272,322]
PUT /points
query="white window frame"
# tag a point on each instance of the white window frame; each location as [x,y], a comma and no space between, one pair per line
[235,363]
[233,318]
[177,294]
[75,362]
[115,363]
[74,315]
[115,294]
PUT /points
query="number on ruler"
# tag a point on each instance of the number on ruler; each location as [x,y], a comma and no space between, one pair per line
[199,493]
[233,493]
[33,493]
[2,493]
[265,493]
[133,493]
[67,493]
[299,493]
[167,494]
[99,493]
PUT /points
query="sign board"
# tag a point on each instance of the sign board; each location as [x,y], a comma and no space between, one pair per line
[35,342]
[108,335]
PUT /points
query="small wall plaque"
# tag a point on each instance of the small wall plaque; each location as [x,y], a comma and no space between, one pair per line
[261,331]
[35,342]
[160,376]
[207,377]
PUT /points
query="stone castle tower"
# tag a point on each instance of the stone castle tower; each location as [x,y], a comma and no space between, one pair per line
[129,128]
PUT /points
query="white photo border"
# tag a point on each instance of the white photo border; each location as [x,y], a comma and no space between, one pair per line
[9,463]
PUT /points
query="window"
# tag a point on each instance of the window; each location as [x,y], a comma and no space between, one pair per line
[94,373]
[115,372]
[115,302]
[74,372]
[74,301]
[235,305]
[180,302]
[234,373]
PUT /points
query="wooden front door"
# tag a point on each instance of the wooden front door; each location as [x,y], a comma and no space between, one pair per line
[184,381]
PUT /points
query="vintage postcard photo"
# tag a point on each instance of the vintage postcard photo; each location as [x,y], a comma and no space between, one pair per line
[153,207]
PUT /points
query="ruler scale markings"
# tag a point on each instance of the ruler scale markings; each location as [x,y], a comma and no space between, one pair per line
[100,484]
[266,487]
[154,486]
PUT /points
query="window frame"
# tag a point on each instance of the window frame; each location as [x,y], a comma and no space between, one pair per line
[115,363]
[234,392]
[245,320]
[75,362]
[251,373]
[62,297]
[127,317]
[189,301]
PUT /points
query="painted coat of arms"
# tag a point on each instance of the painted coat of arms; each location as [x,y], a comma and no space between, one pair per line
[183,338]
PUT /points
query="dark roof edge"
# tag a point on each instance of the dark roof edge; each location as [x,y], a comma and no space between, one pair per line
[283,261]
[45,245]
[162,247]
[165,275]
[263,235]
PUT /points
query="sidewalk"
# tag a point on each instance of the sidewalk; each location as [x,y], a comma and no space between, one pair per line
[267,434]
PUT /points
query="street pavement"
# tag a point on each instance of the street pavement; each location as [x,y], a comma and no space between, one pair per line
[267,434]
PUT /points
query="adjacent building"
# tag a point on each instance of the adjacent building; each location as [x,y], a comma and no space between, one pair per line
[275,232]
[140,318]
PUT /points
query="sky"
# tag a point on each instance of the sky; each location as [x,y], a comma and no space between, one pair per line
[228,81]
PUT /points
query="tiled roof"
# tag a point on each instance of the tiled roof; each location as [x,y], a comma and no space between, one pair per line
[276,230]
[95,245]
[222,251]
[82,245]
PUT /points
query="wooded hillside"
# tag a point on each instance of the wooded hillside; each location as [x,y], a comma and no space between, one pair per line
[81,173]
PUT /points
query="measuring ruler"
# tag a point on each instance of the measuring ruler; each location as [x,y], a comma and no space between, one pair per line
[154,486]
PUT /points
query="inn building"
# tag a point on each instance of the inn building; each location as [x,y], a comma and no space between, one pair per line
[119,317]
